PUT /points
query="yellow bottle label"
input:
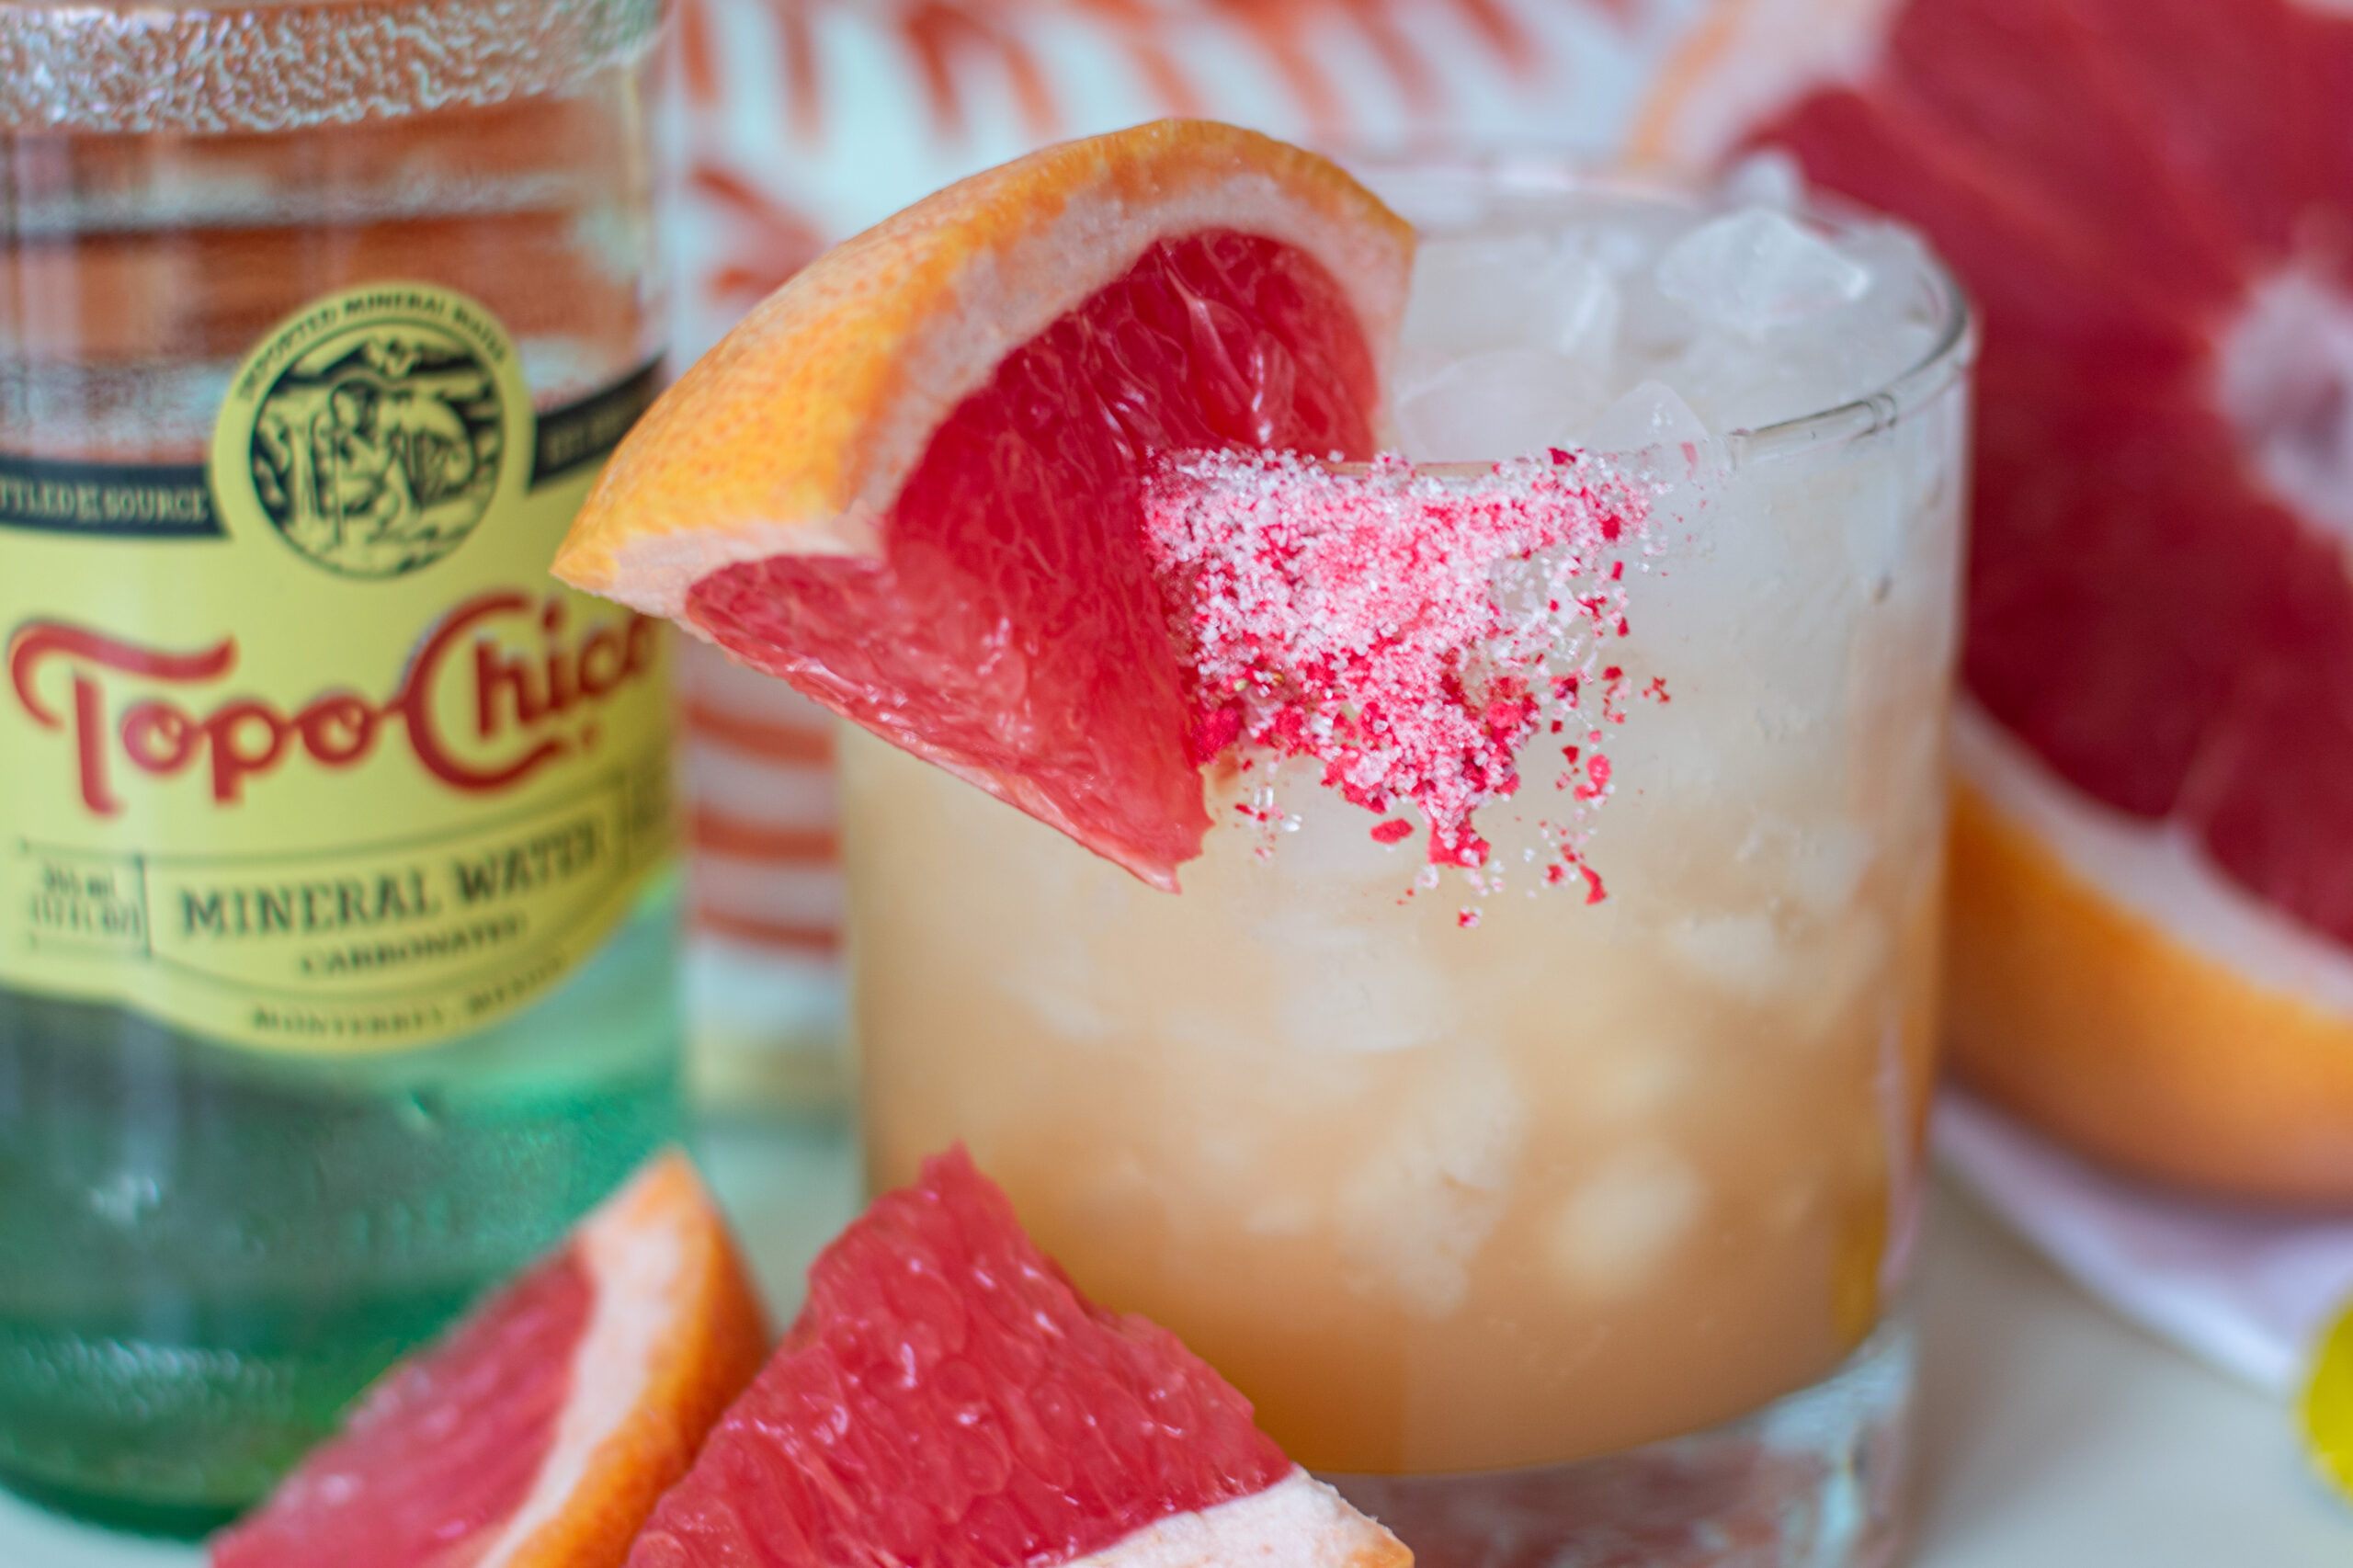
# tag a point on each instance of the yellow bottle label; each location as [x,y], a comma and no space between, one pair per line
[303,750]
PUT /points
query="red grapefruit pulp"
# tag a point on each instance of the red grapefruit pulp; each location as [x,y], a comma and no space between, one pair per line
[2131,187]
[1011,631]
[949,1399]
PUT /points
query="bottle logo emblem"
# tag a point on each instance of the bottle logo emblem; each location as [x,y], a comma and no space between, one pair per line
[377,453]
[376,430]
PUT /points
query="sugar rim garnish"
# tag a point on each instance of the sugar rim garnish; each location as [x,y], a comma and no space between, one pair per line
[1407,631]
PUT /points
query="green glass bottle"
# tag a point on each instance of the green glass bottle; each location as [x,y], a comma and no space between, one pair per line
[337,905]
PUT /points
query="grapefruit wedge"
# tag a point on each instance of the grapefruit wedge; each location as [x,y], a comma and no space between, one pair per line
[948,1398]
[540,1431]
[909,482]
[2151,933]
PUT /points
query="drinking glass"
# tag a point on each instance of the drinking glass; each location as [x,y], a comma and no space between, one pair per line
[1552,1231]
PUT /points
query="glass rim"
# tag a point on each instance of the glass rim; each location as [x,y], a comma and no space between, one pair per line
[1539,168]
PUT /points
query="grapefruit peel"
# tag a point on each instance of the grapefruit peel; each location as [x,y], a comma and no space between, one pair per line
[794,434]
[2115,946]
[671,1330]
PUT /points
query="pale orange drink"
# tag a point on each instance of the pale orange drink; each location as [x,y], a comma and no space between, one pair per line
[1519,1093]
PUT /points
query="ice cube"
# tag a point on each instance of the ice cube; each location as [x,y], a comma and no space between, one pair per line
[1624,1220]
[1413,1217]
[1738,954]
[1827,864]
[1655,436]
[1766,178]
[1756,270]
[1581,318]
[1501,291]
[1504,403]
[1343,991]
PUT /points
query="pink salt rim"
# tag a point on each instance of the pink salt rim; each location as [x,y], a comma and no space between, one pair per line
[1409,631]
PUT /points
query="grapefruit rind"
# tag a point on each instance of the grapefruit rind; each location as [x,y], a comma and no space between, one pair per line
[673,1330]
[2108,984]
[1299,1522]
[659,1364]
[794,434]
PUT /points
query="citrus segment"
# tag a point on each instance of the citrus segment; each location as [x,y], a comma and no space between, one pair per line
[1013,632]
[947,1397]
[541,1430]
[2150,200]
[910,482]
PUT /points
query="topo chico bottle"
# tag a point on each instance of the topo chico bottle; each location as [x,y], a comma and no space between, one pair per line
[336,948]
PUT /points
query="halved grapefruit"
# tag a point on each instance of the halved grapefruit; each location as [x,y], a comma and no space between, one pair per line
[909,482]
[2152,934]
[949,1398]
[540,1431]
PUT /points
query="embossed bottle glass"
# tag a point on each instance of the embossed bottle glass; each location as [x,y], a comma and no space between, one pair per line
[337,959]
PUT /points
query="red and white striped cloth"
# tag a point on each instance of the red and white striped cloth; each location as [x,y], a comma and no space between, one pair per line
[759,770]
[764,889]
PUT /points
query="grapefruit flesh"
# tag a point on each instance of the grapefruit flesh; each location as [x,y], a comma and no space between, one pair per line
[948,1398]
[908,482]
[2116,179]
[538,1432]
[1011,628]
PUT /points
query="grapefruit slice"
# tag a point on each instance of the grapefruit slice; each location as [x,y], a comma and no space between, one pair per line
[537,1432]
[2153,202]
[909,482]
[949,1398]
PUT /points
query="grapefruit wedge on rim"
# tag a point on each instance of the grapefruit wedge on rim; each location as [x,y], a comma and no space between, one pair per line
[948,1398]
[909,482]
[541,1430]
[2152,925]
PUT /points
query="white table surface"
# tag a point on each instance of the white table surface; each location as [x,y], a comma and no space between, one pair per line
[2053,1435]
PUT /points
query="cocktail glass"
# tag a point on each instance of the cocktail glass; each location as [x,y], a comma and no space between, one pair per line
[1557,1227]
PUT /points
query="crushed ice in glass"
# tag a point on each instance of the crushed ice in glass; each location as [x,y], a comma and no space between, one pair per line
[1757,269]
[1534,324]
[1420,637]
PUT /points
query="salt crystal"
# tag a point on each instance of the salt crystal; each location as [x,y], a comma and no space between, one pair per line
[1757,269]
